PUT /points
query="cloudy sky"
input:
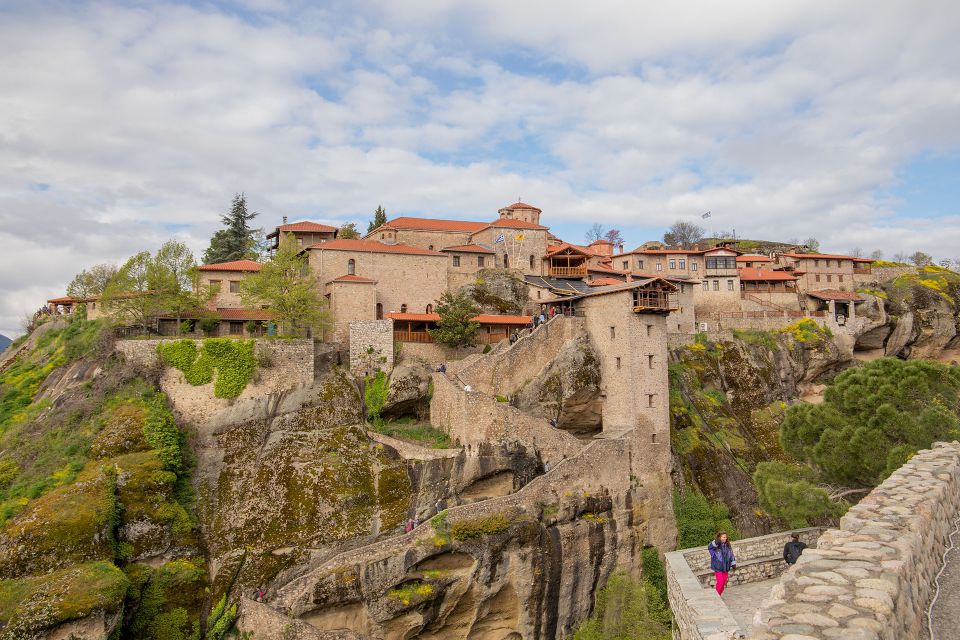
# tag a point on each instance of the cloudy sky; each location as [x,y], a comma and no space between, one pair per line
[124,124]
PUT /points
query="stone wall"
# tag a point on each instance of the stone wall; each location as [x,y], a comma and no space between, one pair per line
[371,346]
[873,577]
[434,353]
[698,610]
[508,367]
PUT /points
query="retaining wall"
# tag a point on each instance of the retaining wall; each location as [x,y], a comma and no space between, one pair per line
[371,346]
[699,613]
[873,577]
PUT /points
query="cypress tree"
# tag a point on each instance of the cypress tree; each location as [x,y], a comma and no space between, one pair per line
[379,218]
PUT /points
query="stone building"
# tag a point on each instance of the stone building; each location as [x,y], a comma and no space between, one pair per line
[304,234]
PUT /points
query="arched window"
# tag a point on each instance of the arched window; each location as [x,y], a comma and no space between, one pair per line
[430,247]
[379,311]
[531,263]
[506,261]
[403,308]
[351,266]
[429,308]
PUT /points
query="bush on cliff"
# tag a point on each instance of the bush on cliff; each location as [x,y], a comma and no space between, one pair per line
[232,360]
[699,520]
[627,609]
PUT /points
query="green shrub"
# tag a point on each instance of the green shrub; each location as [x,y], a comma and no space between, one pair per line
[375,396]
[790,492]
[699,520]
[208,325]
[412,592]
[479,527]
[161,432]
[487,348]
[422,434]
[626,609]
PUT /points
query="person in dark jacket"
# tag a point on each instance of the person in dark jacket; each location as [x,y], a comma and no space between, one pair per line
[722,559]
[793,549]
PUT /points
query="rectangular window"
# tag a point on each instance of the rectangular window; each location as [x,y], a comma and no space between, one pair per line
[840,278]
[706,285]
[234,286]
[640,264]
[816,263]
[214,283]
[618,362]
[829,278]
[650,357]
[693,265]
[456,261]
[673,264]
[613,332]
[729,285]
[649,329]
[479,261]
[650,400]
[538,294]
[723,262]
[683,263]
[817,277]
[300,241]
[626,265]
[716,285]
[236,328]
[659,266]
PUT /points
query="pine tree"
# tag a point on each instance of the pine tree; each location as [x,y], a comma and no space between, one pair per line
[379,218]
[238,240]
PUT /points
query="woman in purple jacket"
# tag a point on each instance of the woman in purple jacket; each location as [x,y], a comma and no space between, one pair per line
[722,559]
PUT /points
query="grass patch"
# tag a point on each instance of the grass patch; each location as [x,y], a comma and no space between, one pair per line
[756,337]
[412,592]
[479,527]
[422,434]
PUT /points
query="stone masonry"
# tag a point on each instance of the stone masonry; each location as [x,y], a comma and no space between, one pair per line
[872,578]
[698,611]
[371,346]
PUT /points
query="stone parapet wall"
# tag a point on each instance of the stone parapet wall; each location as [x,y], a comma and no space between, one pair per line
[699,612]
[434,353]
[872,578]
[508,367]
[293,357]
[475,419]
[371,346]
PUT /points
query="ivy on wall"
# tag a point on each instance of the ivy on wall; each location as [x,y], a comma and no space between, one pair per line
[233,361]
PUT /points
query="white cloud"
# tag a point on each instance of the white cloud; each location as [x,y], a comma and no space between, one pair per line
[785,119]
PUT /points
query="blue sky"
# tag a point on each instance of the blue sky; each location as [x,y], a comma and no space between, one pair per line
[123,124]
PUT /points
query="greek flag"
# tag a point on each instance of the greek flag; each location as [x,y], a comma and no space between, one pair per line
[500,238]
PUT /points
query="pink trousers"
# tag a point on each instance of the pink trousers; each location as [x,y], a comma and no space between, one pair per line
[721,577]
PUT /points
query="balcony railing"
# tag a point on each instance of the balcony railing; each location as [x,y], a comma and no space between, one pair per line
[568,271]
[412,336]
[654,301]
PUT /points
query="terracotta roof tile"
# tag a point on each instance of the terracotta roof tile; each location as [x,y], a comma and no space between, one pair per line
[235,265]
[753,258]
[469,248]
[834,294]
[307,226]
[512,223]
[482,319]
[371,246]
[432,224]
[748,274]
[352,278]
[812,256]
[522,205]
[64,300]
[603,282]
[244,314]
[414,317]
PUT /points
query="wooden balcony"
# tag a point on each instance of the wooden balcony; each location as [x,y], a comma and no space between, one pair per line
[411,336]
[568,271]
[423,337]
[654,301]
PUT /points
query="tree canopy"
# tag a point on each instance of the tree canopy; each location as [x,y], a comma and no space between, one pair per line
[130,296]
[595,232]
[238,240]
[683,234]
[456,327]
[379,218]
[92,282]
[873,418]
[285,285]
[348,231]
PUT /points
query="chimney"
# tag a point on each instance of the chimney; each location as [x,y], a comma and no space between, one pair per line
[284,219]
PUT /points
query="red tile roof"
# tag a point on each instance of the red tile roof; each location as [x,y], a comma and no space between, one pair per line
[64,300]
[522,205]
[753,258]
[834,294]
[307,226]
[553,249]
[600,241]
[244,314]
[469,248]
[352,278]
[748,274]
[482,319]
[603,282]
[433,224]
[512,223]
[599,269]
[371,246]
[811,256]
[235,265]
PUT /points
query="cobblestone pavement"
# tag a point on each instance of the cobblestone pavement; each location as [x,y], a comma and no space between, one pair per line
[945,609]
[743,600]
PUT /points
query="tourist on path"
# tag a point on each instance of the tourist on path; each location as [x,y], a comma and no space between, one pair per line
[722,559]
[793,549]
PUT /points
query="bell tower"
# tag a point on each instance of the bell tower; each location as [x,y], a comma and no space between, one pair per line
[521,211]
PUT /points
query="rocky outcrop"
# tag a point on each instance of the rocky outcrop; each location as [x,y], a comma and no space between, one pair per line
[498,291]
[567,390]
[409,391]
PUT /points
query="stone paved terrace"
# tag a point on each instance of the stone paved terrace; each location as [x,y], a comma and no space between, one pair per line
[699,612]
